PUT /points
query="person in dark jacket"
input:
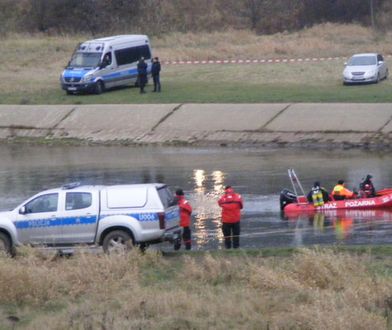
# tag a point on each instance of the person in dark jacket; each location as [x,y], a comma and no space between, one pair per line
[185,219]
[231,204]
[142,74]
[366,187]
[155,72]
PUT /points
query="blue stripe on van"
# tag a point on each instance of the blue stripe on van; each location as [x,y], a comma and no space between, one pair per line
[126,74]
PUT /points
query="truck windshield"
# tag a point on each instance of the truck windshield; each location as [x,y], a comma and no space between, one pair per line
[83,60]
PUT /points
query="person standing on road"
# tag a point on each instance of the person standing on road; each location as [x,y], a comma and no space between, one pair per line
[155,72]
[185,219]
[231,204]
[142,74]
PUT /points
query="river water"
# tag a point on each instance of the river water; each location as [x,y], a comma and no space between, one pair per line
[258,174]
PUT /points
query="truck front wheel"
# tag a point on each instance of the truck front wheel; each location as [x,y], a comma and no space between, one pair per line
[5,245]
[117,241]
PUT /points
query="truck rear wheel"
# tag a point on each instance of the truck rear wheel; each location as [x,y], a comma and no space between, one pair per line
[5,245]
[117,241]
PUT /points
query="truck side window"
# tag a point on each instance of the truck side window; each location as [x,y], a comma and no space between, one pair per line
[44,203]
[167,197]
[77,200]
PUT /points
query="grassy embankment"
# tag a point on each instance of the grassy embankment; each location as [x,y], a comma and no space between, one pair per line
[303,289]
[31,66]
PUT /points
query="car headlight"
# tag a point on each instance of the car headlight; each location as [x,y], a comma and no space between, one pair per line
[86,78]
[371,74]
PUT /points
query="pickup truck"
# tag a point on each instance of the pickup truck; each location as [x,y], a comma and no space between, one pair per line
[115,217]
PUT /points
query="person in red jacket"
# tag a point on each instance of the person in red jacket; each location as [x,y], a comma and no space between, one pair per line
[185,219]
[231,204]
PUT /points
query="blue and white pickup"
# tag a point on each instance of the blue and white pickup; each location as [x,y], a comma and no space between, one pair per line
[114,217]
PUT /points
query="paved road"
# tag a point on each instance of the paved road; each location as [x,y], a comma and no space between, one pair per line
[300,125]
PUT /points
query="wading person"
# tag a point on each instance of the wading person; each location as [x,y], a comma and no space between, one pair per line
[231,204]
[155,72]
[185,219]
[142,74]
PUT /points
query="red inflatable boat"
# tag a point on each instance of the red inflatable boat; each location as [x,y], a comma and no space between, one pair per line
[382,201]
[293,203]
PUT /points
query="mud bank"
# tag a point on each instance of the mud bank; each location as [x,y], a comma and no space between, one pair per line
[291,125]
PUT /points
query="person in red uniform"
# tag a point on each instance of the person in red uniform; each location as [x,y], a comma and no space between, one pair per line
[231,204]
[185,218]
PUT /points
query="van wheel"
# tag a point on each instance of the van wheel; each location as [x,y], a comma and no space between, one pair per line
[99,87]
[5,246]
[117,241]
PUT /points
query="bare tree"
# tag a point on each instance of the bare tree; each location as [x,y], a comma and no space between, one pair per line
[253,10]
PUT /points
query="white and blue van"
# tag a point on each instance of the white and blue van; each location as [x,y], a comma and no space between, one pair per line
[105,63]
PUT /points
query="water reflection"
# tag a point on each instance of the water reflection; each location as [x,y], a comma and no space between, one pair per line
[257,174]
[345,225]
[207,190]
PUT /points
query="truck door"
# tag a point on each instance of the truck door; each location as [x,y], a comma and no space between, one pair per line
[38,221]
[80,216]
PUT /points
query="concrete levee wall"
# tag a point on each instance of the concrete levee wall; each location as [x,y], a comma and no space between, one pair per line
[318,125]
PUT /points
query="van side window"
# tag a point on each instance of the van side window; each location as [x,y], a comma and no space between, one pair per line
[77,200]
[107,60]
[44,203]
[380,58]
[167,197]
[132,54]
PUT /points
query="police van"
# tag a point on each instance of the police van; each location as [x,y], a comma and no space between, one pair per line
[114,217]
[105,63]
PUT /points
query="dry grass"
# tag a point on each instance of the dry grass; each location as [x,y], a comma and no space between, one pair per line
[314,289]
[319,41]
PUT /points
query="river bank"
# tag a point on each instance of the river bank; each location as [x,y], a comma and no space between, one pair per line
[224,289]
[306,125]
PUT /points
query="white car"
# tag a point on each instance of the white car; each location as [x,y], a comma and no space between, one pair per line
[365,68]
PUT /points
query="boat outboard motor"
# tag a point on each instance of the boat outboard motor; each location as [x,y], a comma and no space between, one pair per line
[286,197]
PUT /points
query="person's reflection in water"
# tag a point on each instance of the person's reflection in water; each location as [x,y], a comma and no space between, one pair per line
[343,227]
[319,222]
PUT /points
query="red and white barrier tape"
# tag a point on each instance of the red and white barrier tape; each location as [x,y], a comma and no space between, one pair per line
[262,61]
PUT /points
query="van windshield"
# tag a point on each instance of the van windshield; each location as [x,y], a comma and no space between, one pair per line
[83,60]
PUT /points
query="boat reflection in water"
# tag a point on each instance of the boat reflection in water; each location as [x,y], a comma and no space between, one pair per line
[204,200]
[345,224]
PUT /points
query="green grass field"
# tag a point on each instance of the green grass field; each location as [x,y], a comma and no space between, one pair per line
[31,66]
[306,82]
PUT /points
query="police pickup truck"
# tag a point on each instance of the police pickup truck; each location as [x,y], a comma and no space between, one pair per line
[114,217]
